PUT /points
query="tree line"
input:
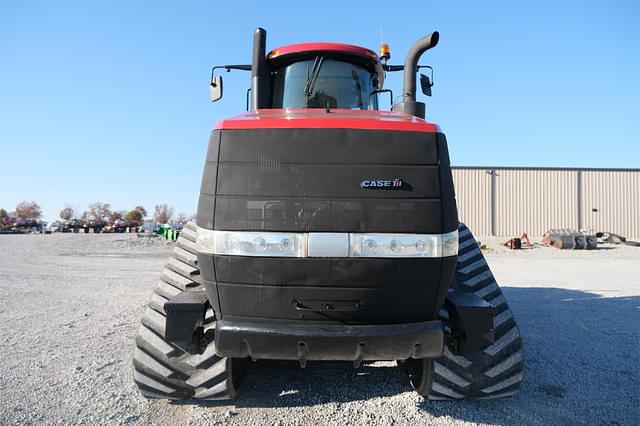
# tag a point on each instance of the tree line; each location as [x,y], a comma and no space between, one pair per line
[98,211]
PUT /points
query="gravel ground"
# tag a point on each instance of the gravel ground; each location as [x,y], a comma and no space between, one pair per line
[71,305]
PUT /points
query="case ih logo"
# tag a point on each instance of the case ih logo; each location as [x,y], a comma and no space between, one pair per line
[395,184]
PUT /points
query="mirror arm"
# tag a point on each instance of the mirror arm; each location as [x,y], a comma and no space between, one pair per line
[228,68]
[247,103]
[392,68]
[375,92]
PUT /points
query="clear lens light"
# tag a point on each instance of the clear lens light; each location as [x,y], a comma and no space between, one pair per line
[259,244]
[450,244]
[282,244]
[404,245]
[369,247]
[285,244]
[276,244]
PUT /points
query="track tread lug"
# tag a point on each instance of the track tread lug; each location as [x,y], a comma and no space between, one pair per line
[498,370]
[162,370]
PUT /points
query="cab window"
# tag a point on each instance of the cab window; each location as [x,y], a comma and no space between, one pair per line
[322,83]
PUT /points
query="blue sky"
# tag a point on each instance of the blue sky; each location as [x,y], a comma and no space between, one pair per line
[108,101]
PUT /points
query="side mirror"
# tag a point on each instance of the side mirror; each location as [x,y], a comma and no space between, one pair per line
[425,84]
[426,81]
[215,89]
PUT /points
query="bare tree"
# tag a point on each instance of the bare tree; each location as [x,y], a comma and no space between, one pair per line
[98,211]
[182,218]
[28,210]
[66,213]
[163,213]
[113,216]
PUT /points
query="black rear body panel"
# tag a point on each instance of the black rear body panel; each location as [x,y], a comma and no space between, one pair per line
[387,291]
[309,180]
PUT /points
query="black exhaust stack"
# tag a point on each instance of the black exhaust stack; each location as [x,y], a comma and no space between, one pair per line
[409,104]
[259,71]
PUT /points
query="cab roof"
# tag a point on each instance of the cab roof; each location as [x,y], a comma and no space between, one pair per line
[357,54]
[298,48]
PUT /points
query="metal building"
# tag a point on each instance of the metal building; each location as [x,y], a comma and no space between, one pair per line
[507,201]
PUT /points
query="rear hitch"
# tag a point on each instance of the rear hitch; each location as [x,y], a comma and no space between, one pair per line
[302,354]
[470,321]
[360,353]
[185,317]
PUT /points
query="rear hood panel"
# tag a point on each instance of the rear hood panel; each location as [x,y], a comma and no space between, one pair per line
[319,179]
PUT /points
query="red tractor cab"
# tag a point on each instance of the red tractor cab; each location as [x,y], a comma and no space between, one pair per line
[327,75]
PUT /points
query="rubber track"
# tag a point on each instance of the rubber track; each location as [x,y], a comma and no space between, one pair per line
[162,370]
[496,371]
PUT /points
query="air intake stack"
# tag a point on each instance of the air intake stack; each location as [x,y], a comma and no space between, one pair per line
[409,105]
[259,71]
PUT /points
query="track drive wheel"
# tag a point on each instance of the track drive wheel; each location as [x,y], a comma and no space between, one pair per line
[161,369]
[495,372]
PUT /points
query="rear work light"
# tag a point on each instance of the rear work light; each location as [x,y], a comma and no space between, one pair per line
[325,244]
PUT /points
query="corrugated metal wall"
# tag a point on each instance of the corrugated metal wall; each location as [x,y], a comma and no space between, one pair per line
[509,201]
[533,201]
[473,196]
[611,201]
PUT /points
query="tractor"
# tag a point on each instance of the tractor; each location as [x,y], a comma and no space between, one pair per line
[327,230]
